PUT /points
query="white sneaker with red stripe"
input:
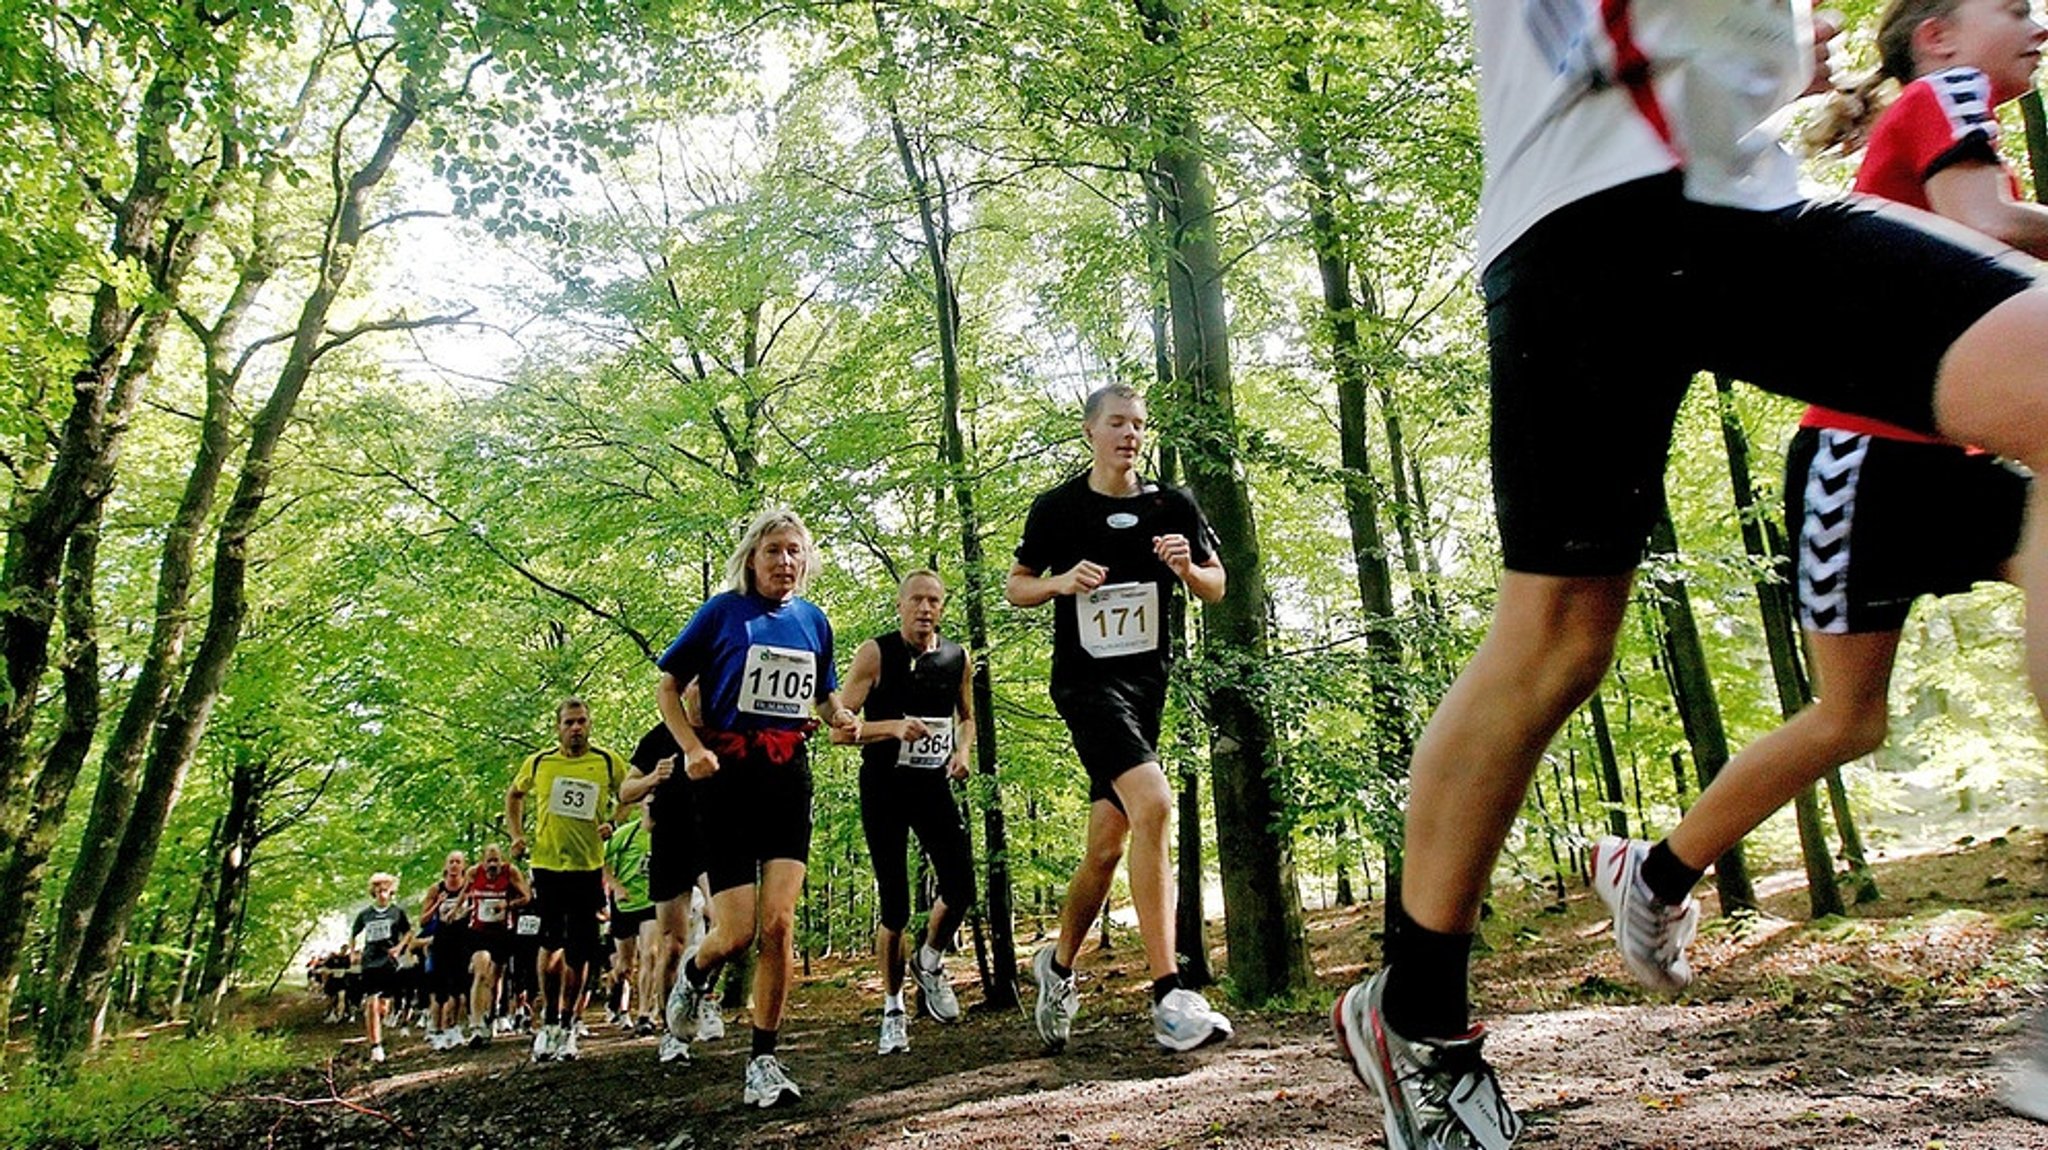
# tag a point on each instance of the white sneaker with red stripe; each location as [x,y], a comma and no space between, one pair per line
[1651,935]
[1436,1093]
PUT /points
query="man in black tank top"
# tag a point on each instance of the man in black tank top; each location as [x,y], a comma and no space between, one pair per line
[915,734]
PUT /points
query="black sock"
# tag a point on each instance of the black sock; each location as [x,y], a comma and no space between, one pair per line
[1667,876]
[1426,994]
[1161,987]
[764,1042]
[699,978]
[1063,972]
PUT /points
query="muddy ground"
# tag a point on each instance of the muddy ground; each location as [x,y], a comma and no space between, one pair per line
[1884,1029]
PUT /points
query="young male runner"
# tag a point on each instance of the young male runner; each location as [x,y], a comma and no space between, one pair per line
[1120,550]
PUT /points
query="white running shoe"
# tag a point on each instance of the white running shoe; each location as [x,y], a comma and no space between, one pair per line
[768,1084]
[895,1033]
[685,1001]
[1058,1001]
[673,1048]
[377,1053]
[2026,1082]
[565,1045]
[939,1000]
[544,1044]
[1436,1094]
[1651,936]
[1184,1020]
[479,1036]
[710,1023]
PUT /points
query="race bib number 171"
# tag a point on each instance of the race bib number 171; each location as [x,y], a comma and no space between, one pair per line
[1120,619]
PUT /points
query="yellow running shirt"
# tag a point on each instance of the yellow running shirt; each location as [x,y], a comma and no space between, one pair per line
[565,799]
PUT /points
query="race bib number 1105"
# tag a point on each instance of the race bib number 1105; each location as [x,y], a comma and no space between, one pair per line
[778,682]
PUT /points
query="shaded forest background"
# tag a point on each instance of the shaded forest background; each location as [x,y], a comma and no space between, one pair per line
[377,374]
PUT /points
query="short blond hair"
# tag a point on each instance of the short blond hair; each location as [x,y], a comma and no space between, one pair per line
[383,878]
[739,569]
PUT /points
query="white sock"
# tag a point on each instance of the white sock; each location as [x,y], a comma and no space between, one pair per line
[929,959]
[893,1002]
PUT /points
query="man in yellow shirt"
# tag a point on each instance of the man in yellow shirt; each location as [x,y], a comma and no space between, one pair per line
[576,787]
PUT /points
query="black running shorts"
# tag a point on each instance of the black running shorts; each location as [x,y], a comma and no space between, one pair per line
[1599,316]
[753,810]
[1880,522]
[567,902]
[1115,728]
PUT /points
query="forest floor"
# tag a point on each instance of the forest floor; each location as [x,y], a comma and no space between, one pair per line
[1887,1028]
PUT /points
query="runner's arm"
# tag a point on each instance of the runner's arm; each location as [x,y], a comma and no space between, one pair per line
[963,733]
[1975,194]
[1027,588]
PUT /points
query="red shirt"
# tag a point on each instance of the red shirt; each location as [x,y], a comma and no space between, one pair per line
[1938,120]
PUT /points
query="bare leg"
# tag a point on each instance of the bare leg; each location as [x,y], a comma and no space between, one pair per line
[945,920]
[1550,643]
[1089,888]
[889,944]
[782,880]
[1853,673]
[732,927]
[483,977]
[1148,803]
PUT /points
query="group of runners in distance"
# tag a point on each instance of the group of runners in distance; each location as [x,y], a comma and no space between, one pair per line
[1640,224]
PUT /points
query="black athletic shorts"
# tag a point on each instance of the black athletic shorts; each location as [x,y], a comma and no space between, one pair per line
[895,801]
[378,980]
[568,902]
[1115,728]
[1599,316]
[448,961]
[495,941]
[673,857]
[751,811]
[626,923]
[1881,522]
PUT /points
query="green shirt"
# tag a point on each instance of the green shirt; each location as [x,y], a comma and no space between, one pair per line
[626,855]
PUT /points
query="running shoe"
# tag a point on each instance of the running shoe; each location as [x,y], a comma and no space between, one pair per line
[710,1023]
[1437,1094]
[1184,1020]
[377,1053]
[1651,936]
[2026,1082]
[565,1045]
[686,1001]
[579,1030]
[939,1000]
[479,1036]
[1058,1001]
[544,1044]
[768,1084]
[673,1048]
[895,1033]
[643,1027]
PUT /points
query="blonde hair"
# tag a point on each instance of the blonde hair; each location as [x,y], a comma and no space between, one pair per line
[1845,120]
[739,569]
[383,878]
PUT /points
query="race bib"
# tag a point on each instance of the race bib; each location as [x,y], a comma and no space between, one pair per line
[930,752]
[528,924]
[1120,619]
[778,682]
[377,930]
[573,799]
[490,909]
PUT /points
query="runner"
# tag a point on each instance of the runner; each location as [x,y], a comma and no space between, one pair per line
[674,872]
[633,929]
[496,894]
[1640,224]
[380,930]
[578,785]
[1884,514]
[916,691]
[1121,548]
[762,656]
[444,921]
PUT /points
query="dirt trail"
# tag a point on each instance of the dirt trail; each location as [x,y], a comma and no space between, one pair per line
[1886,1032]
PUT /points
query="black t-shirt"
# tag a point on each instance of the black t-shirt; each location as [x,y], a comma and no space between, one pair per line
[1118,631]
[668,804]
[921,683]
[380,928]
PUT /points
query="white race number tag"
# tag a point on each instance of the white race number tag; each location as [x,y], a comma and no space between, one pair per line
[573,799]
[1120,619]
[377,930]
[490,909]
[528,925]
[778,682]
[932,751]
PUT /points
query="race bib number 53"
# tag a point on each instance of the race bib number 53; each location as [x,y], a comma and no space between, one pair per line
[778,682]
[573,799]
[1120,619]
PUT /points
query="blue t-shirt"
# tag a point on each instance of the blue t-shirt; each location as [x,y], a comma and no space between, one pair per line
[759,665]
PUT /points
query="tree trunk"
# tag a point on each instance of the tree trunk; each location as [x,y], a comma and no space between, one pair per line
[1692,688]
[1781,638]
[236,846]
[68,1026]
[935,222]
[1262,905]
[1610,768]
[2037,141]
